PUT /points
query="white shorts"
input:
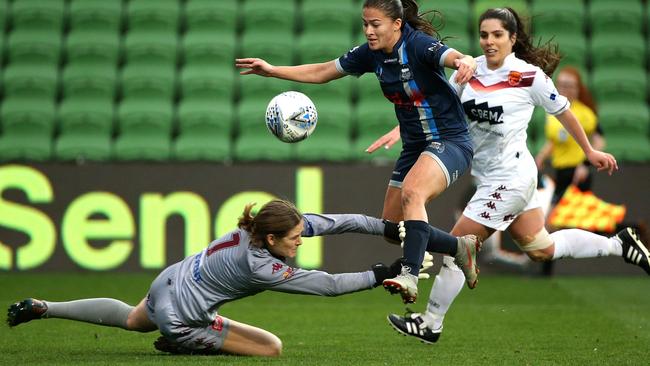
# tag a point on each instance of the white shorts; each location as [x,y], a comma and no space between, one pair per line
[497,204]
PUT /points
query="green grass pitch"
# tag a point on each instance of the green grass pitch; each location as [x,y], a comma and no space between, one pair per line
[507,320]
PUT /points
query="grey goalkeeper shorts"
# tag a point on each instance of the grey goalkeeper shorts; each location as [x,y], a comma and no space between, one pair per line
[161,309]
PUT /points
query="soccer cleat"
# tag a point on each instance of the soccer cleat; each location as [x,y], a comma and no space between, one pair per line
[633,249]
[405,284]
[24,311]
[465,258]
[413,325]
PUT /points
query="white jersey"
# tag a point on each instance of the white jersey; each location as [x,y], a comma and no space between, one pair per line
[499,104]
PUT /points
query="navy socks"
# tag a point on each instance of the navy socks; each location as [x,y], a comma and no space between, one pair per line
[420,236]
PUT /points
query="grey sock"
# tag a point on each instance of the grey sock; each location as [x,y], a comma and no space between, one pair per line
[103,311]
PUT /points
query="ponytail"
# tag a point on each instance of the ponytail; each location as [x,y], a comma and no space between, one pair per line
[546,56]
[277,217]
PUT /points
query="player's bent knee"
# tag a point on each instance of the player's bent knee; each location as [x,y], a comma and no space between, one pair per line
[538,247]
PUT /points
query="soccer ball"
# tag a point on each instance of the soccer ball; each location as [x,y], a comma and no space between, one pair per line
[291,116]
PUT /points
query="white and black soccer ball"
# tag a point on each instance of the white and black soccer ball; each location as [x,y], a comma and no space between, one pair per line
[291,116]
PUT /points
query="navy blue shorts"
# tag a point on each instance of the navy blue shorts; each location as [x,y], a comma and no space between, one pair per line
[453,157]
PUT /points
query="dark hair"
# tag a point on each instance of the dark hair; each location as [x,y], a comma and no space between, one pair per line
[276,217]
[407,10]
[584,95]
[545,56]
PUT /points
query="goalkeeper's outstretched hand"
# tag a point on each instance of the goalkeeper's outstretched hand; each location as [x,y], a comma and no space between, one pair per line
[383,271]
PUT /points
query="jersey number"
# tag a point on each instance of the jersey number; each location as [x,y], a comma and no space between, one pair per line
[223,245]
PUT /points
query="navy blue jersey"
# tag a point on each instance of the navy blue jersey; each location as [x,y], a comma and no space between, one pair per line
[412,77]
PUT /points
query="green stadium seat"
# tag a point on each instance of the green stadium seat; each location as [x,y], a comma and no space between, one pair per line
[147,48]
[455,17]
[202,142]
[264,16]
[96,16]
[148,81]
[143,145]
[4,10]
[207,47]
[87,114]
[573,49]
[619,84]
[135,114]
[629,147]
[30,146]
[27,114]
[84,80]
[35,47]
[251,117]
[624,117]
[317,47]
[335,118]
[210,15]
[261,89]
[375,117]
[520,6]
[29,80]
[201,112]
[208,82]
[321,147]
[607,17]
[618,51]
[38,15]
[83,146]
[339,90]
[334,18]
[368,88]
[153,16]
[261,147]
[275,47]
[93,47]
[558,17]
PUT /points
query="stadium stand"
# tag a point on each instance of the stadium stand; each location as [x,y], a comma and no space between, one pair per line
[154,80]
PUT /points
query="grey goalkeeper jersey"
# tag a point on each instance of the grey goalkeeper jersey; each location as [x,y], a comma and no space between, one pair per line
[231,268]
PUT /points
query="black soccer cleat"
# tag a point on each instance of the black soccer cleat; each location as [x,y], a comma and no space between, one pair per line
[634,251]
[24,311]
[413,325]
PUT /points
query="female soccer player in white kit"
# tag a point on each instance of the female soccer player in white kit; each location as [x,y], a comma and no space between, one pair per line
[183,300]
[499,102]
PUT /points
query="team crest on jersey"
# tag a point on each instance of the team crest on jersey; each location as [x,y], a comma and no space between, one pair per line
[483,113]
[289,273]
[514,78]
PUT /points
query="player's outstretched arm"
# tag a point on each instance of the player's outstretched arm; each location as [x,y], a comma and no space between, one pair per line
[308,73]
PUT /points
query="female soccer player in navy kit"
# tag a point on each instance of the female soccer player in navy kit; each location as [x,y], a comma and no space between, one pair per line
[437,149]
[499,100]
[184,299]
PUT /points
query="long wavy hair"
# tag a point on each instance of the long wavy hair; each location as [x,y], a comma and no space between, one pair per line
[277,217]
[546,56]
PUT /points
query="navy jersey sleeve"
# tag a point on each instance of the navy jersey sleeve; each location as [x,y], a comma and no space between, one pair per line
[431,51]
[356,61]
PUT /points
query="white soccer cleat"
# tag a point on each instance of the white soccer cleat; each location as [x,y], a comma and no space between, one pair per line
[405,284]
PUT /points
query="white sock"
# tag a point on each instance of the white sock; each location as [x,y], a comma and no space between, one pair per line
[576,243]
[445,288]
[101,311]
